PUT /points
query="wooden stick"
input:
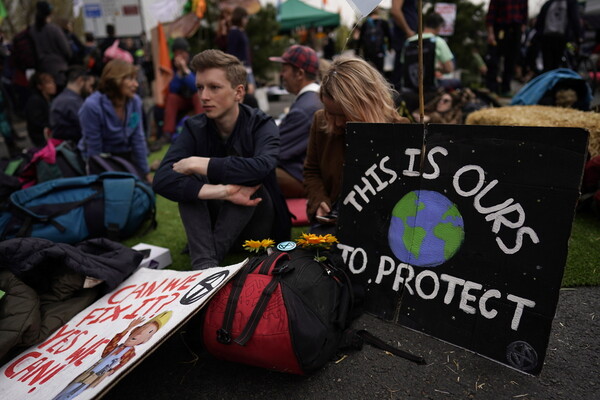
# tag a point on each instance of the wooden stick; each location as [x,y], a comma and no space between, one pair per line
[420,38]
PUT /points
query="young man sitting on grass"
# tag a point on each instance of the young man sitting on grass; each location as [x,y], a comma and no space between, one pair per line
[221,169]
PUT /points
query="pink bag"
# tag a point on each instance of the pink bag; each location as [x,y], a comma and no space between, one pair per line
[115,52]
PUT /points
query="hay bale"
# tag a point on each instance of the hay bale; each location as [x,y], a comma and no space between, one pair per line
[542,116]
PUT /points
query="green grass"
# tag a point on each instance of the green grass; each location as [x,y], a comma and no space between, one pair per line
[583,261]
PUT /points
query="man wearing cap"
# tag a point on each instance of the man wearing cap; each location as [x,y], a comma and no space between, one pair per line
[182,88]
[298,75]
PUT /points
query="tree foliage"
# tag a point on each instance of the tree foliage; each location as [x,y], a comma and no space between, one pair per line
[22,13]
[265,42]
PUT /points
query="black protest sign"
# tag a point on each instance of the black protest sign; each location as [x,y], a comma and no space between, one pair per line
[461,232]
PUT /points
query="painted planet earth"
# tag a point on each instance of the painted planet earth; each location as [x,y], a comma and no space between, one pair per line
[426,229]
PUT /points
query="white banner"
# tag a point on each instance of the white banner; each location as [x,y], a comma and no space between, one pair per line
[86,356]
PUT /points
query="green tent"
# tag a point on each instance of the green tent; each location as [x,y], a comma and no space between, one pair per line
[294,13]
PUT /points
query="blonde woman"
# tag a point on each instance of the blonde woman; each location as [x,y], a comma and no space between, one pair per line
[351,91]
[111,118]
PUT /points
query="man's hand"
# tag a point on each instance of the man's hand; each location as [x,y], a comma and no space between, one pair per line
[491,36]
[181,65]
[192,165]
[240,195]
[237,194]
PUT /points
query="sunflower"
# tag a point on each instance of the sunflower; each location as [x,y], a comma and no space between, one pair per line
[256,246]
[310,240]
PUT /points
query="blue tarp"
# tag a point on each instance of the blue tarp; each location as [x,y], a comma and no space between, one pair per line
[536,88]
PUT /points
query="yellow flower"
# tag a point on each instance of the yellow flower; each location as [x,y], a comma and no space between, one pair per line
[310,240]
[252,244]
[266,243]
[257,246]
[329,238]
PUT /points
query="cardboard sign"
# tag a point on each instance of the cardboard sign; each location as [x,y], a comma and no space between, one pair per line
[87,356]
[448,12]
[92,11]
[461,232]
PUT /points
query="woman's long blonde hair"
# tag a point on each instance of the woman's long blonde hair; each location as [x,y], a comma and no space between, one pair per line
[361,91]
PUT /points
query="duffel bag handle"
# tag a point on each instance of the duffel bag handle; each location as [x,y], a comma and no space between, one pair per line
[276,271]
[267,265]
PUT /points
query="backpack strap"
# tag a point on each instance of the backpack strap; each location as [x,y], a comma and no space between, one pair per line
[98,159]
[380,344]
[224,334]
[126,165]
[120,164]
[270,263]
[277,271]
[118,195]
[71,157]
[148,190]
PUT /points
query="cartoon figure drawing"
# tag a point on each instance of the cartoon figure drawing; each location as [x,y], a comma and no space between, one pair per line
[115,355]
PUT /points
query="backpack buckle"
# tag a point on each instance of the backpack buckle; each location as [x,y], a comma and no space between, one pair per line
[223,336]
[280,270]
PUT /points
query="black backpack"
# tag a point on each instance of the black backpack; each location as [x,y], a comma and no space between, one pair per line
[24,54]
[373,36]
[411,64]
[287,312]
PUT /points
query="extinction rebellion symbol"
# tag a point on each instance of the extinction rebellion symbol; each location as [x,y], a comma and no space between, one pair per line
[204,287]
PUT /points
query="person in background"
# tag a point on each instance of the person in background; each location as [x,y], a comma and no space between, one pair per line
[329,48]
[374,39]
[93,55]
[437,60]
[77,48]
[505,21]
[6,127]
[221,169]
[405,17]
[298,74]
[181,97]
[351,91]
[89,42]
[223,26]
[64,118]
[111,118]
[37,109]
[111,36]
[557,24]
[51,44]
[238,44]
[128,44]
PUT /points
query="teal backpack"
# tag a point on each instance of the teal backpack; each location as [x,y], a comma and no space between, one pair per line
[69,210]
